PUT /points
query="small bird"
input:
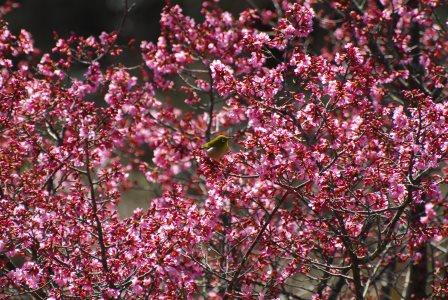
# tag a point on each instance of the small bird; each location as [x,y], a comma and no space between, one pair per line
[217,147]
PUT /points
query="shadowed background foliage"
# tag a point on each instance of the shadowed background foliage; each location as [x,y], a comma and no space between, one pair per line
[91,17]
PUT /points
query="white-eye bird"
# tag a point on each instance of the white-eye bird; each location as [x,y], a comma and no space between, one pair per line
[217,147]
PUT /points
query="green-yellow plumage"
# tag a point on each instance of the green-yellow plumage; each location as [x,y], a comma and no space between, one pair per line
[217,147]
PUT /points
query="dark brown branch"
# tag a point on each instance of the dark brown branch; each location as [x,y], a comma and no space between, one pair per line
[98,225]
[210,110]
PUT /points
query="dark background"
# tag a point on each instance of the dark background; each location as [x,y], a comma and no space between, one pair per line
[91,17]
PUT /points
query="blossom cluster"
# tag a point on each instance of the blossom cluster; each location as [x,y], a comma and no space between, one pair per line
[335,186]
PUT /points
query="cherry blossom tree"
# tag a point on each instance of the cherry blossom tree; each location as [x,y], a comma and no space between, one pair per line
[335,187]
